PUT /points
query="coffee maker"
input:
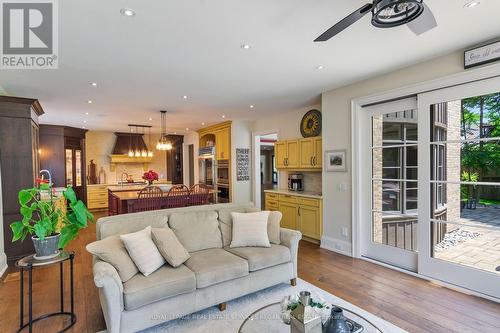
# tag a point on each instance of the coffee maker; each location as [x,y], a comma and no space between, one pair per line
[295,182]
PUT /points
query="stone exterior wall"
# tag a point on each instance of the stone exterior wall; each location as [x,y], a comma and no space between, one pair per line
[453,162]
[377,126]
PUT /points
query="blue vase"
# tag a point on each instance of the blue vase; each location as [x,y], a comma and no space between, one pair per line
[336,323]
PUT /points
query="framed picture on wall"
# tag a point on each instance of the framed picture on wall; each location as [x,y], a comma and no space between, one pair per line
[335,160]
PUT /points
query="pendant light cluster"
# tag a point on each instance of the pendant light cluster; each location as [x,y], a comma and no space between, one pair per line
[134,147]
[164,142]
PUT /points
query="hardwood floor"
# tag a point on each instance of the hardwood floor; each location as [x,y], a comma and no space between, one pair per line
[409,302]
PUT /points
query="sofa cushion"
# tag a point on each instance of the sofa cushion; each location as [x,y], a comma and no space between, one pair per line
[197,230]
[250,229]
[112,250]
[169,246]
[226,223]
[163,283]
[143,250]
[262,257]
[213,266]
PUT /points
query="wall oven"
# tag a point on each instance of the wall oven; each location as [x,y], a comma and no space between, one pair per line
[223,180]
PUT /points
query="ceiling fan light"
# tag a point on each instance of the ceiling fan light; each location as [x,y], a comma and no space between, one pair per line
[392,13]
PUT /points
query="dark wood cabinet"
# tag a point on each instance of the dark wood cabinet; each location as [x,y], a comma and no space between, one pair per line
[62,152]
[174,160]
[19,162]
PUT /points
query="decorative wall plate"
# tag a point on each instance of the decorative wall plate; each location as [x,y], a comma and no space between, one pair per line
[311,124]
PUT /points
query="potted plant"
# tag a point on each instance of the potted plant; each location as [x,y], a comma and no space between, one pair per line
[41,219]
[150,176]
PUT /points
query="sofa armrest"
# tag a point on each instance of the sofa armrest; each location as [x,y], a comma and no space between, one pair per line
[110,286]
[290,238]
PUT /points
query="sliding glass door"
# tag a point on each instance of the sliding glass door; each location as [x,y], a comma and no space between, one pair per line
[459,152]
[429,184]
[391,186]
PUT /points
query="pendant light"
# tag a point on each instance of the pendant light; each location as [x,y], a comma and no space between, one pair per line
[163,143]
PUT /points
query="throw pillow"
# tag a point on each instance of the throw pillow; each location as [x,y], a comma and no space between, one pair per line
[143,251]
[273,227]
[112,251]
[169,246]
[250,229]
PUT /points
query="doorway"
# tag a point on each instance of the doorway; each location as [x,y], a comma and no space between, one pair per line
[264,165]
[428,171]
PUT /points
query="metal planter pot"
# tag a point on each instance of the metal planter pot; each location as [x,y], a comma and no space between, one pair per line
[47,248]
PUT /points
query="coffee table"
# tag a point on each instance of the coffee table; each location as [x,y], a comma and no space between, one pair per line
[267,319]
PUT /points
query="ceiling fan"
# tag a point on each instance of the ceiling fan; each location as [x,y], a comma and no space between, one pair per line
[388,14]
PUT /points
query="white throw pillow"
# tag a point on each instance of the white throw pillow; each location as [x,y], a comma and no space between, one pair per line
[250,229]
[143,251]
[169,246]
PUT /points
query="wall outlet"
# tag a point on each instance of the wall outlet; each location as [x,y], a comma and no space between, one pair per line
[345,232]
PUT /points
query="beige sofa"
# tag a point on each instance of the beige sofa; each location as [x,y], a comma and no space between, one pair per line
[212,276]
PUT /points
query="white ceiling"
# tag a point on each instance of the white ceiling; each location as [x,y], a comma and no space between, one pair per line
[192,47]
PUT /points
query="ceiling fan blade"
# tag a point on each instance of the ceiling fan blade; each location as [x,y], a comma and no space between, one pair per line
[424,23]
[344,23]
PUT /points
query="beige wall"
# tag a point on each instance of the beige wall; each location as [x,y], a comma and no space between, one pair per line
[99,145]
[241,137]
[336,107]
[191,138]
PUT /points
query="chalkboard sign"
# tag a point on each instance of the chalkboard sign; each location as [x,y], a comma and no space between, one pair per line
[242,164]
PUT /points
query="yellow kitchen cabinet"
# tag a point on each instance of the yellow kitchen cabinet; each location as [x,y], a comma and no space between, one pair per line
[300,154]
[304,214]
[280,154]
[307,152]
[97,196]
[310,221]
[318,152]
[290,215]
[223,144]
[293,154]
[271,201]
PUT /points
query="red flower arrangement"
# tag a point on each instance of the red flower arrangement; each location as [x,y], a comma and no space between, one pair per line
[150,176]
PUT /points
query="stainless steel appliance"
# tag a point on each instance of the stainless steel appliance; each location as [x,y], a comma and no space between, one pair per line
[223,180]
[208,169]
[296,182]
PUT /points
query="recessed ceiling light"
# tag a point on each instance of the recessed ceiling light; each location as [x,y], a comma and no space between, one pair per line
[184,97]
[175,133]
[320,67]
[84,121]
[150,119]
[89,101]
[83,127]
[245,46]
[223,116]
[93,84]
[86,113]
[187,129]
[252,106]
[127,12]
[472,4]
[202,124]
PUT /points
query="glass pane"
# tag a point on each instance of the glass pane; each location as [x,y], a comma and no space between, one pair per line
[411,132]
[78,167]
[411,156]
[69,167]
[391,173]
[391,196]
[390,157]
[395,230]
[392,131]
[411,173]
[471,246]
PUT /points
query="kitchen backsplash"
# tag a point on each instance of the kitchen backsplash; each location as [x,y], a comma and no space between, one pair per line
[312,180]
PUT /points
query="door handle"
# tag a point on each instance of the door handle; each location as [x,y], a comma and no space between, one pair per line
[311,161]
[299,210]
[314,160]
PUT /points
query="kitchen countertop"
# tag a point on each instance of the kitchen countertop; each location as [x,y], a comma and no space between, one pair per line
[306,194]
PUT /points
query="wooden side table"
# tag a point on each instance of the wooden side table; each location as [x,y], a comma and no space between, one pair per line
[28,264]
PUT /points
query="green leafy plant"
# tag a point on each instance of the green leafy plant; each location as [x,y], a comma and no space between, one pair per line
[41,217]
[293,304]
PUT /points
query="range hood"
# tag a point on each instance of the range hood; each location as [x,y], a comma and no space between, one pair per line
[126,142]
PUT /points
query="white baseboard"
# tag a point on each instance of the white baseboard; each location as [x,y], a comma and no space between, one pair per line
[3,263]
[336,245]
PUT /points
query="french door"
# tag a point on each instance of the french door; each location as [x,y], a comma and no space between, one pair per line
[429,183]
[459,148]
[390,183]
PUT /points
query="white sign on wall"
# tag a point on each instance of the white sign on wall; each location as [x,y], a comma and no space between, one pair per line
[482,55]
